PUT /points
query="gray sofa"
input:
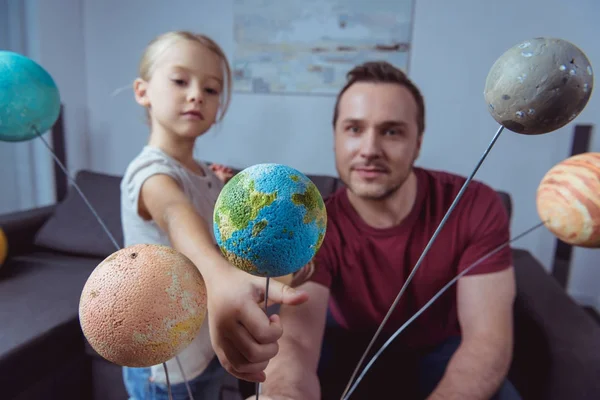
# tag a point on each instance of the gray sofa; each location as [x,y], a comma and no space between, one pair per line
[43,354]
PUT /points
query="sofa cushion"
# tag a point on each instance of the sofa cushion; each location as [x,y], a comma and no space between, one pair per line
[74,229]
[507,201]
[325,183]
[557,344]
[39,301]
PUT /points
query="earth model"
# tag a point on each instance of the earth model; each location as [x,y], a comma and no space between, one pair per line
[270,220]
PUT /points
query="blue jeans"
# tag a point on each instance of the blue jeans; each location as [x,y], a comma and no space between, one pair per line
[205,386]
[398,373]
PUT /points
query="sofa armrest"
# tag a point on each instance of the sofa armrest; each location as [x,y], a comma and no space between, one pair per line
[507,201]
[557,344]
[21,227]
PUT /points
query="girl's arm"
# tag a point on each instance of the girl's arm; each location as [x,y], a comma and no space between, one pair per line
[243,337]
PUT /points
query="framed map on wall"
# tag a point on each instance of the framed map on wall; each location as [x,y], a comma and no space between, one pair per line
[308,46]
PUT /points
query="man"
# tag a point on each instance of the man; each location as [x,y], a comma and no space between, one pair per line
[461,347]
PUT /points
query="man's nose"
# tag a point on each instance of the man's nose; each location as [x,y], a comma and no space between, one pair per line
[370,145]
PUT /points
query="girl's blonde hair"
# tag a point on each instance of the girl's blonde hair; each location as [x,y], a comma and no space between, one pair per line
[159,44]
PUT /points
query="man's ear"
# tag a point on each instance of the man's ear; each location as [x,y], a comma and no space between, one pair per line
[419,143]
[140,89]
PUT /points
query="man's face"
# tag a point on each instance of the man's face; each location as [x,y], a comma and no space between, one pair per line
[376,138]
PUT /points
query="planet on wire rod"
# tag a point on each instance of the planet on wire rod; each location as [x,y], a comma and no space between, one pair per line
[142,305]
[3,247]
[568,200]
[29,98]
[539,85]
[269,220]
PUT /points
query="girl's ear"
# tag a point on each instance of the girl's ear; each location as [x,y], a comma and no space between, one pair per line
[140,89]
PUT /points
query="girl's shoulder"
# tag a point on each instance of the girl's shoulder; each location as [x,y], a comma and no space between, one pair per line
[150,159]
[148,162]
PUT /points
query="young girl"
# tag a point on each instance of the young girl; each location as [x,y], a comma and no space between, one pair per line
[167,197]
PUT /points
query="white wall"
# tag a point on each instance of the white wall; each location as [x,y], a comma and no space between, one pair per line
[9,194]
[55,40]
[292,130]
[61,50]
[92,48]
[455,44]
[51,33]
[27,180]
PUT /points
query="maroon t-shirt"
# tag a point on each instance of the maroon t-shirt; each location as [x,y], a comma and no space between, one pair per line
[365,268]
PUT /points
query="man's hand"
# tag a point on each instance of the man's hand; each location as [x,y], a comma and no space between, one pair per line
[243,337]
[292,373]
[303,274]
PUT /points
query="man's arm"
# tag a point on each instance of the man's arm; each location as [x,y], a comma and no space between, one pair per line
[292,373]
[481,362]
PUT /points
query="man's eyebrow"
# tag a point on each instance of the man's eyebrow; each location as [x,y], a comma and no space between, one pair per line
[390,122]
[353,120]
[393,122]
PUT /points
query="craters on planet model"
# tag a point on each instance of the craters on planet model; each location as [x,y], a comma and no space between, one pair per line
[539,86]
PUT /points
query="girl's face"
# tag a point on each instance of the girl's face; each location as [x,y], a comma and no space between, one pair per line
[183,93]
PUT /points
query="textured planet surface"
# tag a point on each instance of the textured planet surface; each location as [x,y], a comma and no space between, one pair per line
[29,98]
[539,85]
[568,200]
[270,220]
[142,305]
[3,247]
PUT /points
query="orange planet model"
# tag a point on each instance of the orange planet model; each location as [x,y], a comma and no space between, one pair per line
[142,305]
[3,247]
[568,200]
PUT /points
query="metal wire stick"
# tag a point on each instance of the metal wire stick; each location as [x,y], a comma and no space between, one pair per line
[64,169]
[258,385]
[433,299]
[420,260]
[110,236]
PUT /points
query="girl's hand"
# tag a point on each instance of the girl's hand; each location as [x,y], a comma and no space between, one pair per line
[224,173]
[243,336]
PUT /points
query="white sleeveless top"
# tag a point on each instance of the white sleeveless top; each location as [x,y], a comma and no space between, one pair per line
[203,192]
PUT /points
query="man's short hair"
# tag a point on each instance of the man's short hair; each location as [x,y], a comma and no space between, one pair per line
[383,72]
